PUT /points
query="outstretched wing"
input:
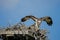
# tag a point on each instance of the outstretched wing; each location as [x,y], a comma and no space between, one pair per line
[28,17]
[47,19]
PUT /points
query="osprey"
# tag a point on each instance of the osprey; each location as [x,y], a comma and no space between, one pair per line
[38,21]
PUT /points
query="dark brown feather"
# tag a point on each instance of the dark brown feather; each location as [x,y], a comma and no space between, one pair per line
[48,20]
[28,17]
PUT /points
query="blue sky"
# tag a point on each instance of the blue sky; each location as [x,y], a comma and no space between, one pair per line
[11,11]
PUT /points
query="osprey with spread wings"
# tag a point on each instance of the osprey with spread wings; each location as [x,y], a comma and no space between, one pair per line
[38,21]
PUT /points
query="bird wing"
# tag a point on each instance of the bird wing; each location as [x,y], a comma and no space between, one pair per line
[47,19]
[28,17]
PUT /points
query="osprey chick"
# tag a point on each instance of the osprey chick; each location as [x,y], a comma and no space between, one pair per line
[47,19]
[38,21]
